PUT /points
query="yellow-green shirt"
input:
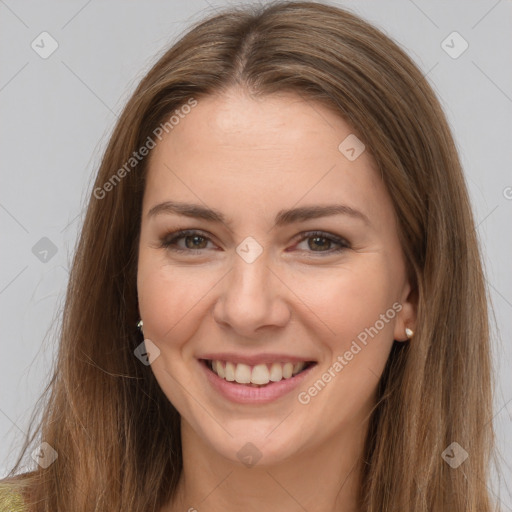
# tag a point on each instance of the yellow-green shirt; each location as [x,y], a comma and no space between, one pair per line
[10,500]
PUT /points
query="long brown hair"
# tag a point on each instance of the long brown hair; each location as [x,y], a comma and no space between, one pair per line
[117,435]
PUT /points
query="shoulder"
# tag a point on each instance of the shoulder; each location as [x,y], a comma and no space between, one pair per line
[10,499]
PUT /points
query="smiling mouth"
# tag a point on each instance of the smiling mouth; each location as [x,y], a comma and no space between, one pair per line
[257,376]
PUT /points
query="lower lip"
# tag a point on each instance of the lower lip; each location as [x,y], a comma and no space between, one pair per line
[242,394]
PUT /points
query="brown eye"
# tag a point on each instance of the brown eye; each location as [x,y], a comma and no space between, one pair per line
[193,241]
[321,242]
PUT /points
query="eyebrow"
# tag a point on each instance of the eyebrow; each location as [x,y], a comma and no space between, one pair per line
[283,217]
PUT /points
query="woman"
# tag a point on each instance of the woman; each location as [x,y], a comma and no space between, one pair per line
[277,300]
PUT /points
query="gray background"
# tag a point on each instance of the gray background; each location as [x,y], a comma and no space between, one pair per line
[57,113]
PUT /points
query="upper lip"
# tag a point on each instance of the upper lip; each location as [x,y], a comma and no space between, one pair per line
[253,360]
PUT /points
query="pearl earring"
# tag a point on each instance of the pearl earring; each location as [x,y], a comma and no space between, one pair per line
[409,332]
[139,325]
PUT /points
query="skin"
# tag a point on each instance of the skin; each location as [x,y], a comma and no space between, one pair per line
[298,297]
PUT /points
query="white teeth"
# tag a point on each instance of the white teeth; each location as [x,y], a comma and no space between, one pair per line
[297,367]
[219,369]
[243,374]
[287,370]
[260,374]
[230,371]
[276,372]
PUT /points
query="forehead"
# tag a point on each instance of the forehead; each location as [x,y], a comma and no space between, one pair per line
[254,155]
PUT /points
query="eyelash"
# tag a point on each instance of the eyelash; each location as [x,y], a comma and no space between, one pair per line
[170,243]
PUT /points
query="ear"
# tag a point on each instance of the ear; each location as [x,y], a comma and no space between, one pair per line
[406,317]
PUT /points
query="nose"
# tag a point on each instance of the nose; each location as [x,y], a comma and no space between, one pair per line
[252,298]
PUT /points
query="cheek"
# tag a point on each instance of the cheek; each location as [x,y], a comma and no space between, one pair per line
[356,303]
[171,298]
[358,306]
[350,299]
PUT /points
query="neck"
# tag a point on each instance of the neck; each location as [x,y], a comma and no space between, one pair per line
[324,478]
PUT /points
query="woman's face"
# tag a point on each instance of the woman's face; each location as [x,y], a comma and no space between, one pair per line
[267,277]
